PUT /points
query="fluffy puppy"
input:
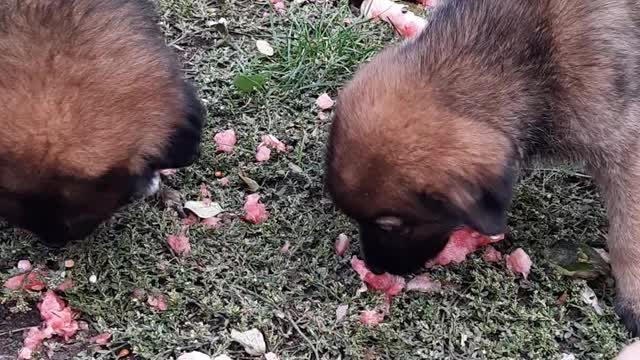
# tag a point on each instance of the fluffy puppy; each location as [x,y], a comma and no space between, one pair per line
[92,104]
[429,136]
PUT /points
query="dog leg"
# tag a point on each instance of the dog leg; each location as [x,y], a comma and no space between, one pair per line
[620,187]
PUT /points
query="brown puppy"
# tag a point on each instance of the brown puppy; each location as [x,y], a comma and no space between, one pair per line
[92,104]
[429,136]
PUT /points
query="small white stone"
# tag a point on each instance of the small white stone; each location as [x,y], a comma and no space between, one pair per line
[93,279]
[194,355]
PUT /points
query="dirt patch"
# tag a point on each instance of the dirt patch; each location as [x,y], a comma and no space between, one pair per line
[12,326]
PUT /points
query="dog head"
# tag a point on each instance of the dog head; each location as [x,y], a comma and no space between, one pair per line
[90,117]
[410,164]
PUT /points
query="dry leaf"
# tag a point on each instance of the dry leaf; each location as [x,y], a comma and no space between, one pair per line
[264,47]
[252,185]
[252,340]
[203,209]
[589,297]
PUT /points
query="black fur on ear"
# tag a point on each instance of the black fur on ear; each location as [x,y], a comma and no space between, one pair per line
[184,148]
[488,213]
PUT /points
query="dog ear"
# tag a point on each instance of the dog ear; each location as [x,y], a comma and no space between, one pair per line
[184,148]
[487,213]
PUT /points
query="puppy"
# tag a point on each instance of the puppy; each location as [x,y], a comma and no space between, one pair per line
[430,135]
[92,105]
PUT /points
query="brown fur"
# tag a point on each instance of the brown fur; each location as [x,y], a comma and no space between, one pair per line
[431,133]
[88,90]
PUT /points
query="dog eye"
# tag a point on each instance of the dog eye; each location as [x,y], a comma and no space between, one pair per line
[388,223]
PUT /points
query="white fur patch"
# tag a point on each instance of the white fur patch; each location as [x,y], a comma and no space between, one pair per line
[154,185]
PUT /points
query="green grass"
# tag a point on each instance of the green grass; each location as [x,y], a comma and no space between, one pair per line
[237,278]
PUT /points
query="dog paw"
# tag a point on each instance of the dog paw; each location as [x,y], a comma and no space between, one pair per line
[629,313]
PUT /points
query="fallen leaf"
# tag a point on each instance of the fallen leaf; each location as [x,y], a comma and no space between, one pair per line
[491,254]
[566,356]
[342,244]
[341,312]
[324,102]
[194,355]
[179,244]
[589,297]
[462,243]
[271,356]
[577,261]
[157,302]
[24,265]
[519,262]
[101,339]
[295,168]
[264,47]
[263,153]
[252,340]
[390,284]
[247,83]
[69,264]
[424,283]
[251,184]
[203,209]
[224,181]
[255,212]
[225,141]
[371,318]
